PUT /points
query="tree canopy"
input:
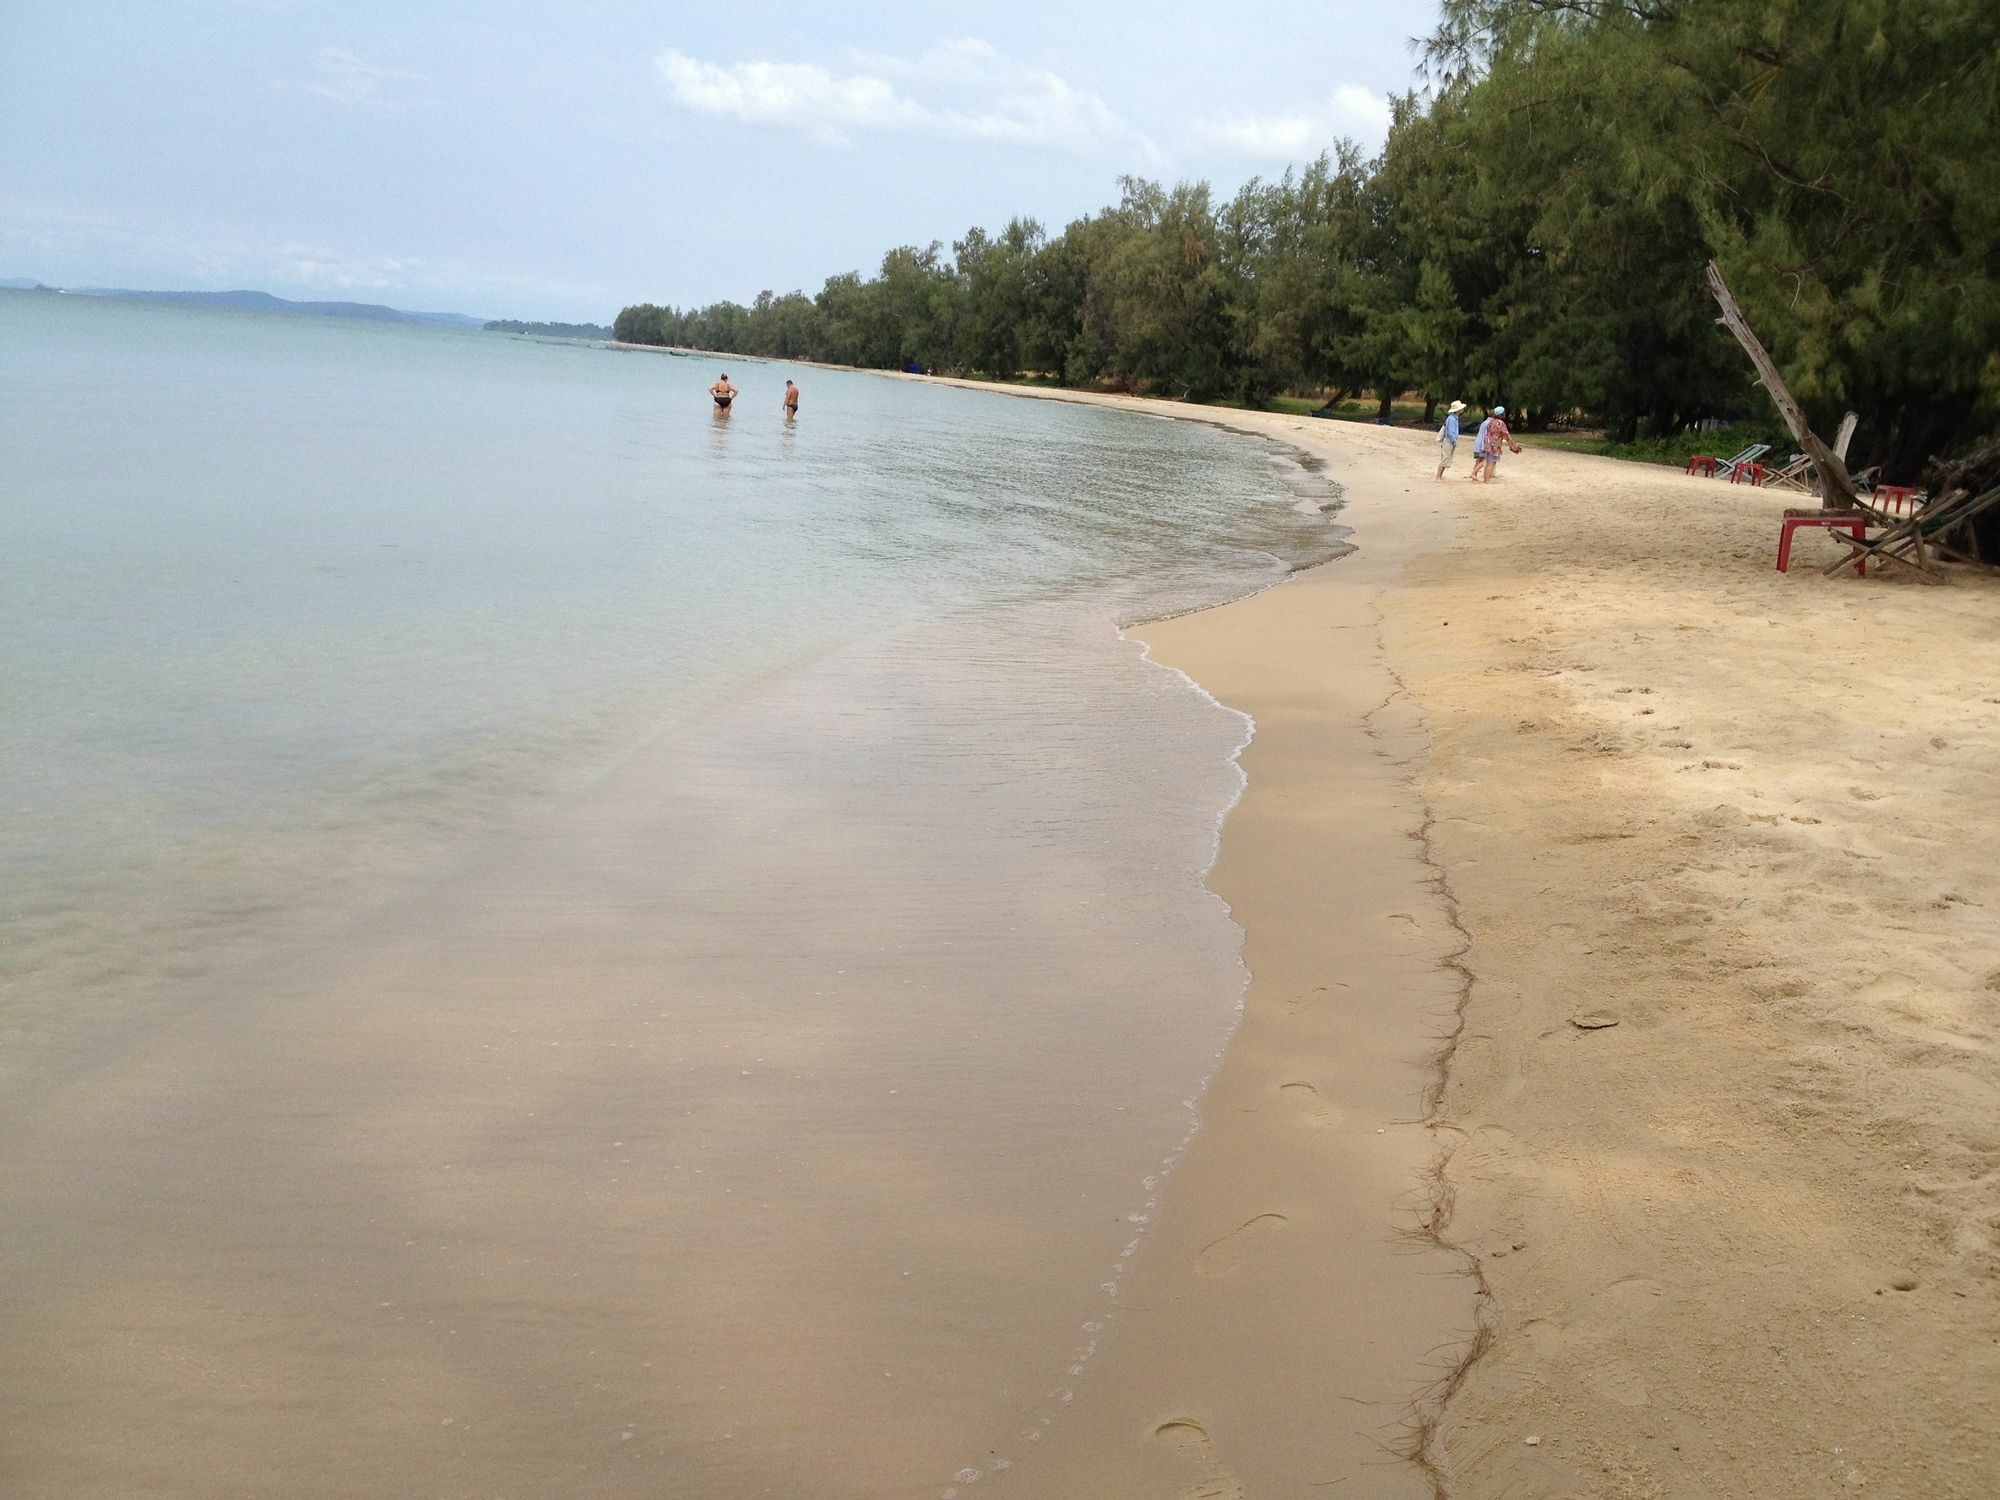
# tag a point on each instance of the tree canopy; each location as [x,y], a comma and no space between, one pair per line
[1533,231]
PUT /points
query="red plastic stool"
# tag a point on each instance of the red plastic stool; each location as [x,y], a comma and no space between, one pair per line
[1854,526]
[1893,497]
[1753,473]
[1702,464]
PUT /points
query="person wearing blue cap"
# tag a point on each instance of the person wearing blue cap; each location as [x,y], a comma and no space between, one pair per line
[1493,436]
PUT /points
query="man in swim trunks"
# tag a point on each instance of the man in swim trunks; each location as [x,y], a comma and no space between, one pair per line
[791,400]
[723,392]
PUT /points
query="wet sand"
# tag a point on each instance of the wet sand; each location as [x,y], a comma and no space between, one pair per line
[1282,1323]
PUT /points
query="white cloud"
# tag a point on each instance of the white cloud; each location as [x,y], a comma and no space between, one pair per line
[314,268]
[323,269]
[347,79]
[1299,135]
[1362,107]
[992,98]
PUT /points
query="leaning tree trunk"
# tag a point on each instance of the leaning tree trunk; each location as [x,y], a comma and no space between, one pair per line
[1836,488]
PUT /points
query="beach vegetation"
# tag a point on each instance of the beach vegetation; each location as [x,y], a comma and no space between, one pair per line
[548,330]
[1533,231]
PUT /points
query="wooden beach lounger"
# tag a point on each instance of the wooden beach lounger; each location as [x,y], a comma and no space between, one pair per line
[1798,473]
[1909,539]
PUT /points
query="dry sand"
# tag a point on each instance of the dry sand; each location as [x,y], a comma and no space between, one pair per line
[1743,1242]
[1722,1130]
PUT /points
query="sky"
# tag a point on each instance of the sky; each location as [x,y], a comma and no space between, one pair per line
[560,161]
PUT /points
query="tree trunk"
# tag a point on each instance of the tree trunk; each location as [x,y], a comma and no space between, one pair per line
[1430,409]
[1836,489]
[1382,415]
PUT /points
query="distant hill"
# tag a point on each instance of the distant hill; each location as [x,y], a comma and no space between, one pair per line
[550,330]
[265,302]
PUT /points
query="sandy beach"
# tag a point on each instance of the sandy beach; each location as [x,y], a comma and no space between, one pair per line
[1612,1111]
[756,923]
[1704,850]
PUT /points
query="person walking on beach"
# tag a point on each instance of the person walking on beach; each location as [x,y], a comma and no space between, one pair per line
[791,401]
[723,392]
[1493,436]
[1448,438]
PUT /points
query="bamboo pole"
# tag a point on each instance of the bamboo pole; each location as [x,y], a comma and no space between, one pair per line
[1836,489]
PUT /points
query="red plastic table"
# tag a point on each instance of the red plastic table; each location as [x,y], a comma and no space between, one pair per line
[1855,526]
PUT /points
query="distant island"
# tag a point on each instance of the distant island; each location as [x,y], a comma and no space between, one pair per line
[550,330]
[244,301]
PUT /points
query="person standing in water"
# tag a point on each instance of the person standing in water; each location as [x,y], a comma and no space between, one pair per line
[723,392]
[791,401]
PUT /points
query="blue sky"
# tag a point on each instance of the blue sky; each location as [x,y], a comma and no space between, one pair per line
[560,161]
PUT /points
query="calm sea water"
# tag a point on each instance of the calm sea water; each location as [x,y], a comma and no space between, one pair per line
[286,599]
[318,635]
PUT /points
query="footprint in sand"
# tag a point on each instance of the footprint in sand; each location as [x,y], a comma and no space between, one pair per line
[1294,1002]
[1619,1382]
[1222,1256]
[1570,937]
[1191,1441]
[1544,1336]
[1631,1297]
[1311,1105]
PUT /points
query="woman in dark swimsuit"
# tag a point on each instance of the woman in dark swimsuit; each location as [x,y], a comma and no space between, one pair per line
[723,392]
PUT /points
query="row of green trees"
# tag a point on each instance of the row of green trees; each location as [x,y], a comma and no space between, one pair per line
[1533,231]
[549,330]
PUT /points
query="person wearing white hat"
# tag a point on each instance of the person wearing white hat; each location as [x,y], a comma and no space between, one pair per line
[1448,438]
